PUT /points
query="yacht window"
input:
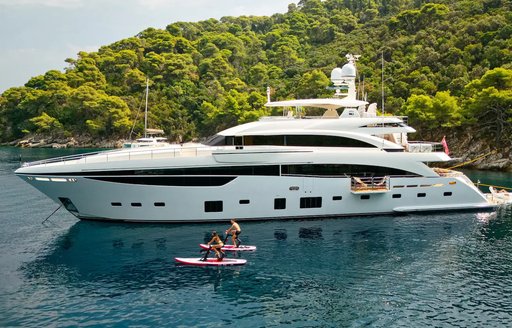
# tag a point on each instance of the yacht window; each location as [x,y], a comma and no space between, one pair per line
[243,201]
[341,170]
[213,206]
[422,194]
[159,204]
[365,196]
[292,140]
[195,181]
[136,204]
[116,204]
[336,197]
[311,202]
[216,140]
[447,193]
[397,196]
[279,203]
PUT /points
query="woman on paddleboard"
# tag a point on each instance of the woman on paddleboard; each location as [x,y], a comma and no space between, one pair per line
[235,232]
[217,245]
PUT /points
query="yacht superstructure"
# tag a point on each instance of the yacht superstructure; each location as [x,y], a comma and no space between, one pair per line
[292,166]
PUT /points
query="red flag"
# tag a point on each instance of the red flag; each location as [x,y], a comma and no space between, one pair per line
[445,146]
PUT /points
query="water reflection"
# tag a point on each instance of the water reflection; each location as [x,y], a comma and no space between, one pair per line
[346,270]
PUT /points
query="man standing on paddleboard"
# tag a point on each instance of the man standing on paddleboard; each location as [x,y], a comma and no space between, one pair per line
[235,232]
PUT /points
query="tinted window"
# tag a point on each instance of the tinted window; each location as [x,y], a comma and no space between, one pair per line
[213,206]
[311,202]
[280,203]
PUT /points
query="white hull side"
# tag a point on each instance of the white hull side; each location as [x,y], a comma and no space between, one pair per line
[94,198]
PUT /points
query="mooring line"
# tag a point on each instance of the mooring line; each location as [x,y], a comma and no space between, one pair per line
[52,214]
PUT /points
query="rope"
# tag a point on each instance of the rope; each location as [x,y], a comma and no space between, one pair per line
[488,185]
[52,214]
[473,160]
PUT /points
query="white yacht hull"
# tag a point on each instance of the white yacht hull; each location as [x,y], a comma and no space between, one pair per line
[253,198]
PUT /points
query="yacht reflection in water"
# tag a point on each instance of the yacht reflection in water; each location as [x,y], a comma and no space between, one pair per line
[127,256]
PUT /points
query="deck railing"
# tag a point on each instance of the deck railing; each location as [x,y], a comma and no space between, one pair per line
[424,147]
[123,155]
[369,184]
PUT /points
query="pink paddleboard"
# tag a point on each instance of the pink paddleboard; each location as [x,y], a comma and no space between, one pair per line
[209,262]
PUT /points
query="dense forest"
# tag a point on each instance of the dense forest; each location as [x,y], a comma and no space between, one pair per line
[447,65]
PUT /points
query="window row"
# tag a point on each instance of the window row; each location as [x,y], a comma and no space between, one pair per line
[279,203]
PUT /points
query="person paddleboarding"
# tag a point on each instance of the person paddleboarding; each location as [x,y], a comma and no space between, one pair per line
[235,231]
[216,244]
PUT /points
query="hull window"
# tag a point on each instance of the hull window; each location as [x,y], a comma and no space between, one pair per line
[213,206]
[311,202]
[397,196]
[422,194]
[280,203]
[243,201]
[116,204]
[159,204]
[336,197]
[169,181]
[342,170]
[136,204]
[447,193]
[365,196]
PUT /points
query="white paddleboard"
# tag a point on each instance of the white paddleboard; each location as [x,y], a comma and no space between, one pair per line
[209,262]
[232,247]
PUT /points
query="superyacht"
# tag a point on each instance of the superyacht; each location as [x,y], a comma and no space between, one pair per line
[347,162]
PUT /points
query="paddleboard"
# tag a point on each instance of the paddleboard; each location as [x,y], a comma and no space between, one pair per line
[232,247]
[209,261]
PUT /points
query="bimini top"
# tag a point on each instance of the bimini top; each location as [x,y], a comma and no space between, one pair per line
[327,103]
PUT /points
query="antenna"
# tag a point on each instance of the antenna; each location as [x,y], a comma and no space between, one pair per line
[382,84]
[146,110]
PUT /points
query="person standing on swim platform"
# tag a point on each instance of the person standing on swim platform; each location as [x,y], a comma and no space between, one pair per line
[235,232]
[217,245]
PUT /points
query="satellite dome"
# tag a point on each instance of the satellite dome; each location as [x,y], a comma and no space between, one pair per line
[336,75]
[348,70]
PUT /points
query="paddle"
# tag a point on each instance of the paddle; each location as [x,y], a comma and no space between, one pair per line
[206,254]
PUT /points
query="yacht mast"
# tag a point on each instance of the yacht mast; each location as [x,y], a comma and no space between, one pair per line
[382,79]
[146,109]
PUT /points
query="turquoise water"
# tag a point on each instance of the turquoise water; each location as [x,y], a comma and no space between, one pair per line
[448,269]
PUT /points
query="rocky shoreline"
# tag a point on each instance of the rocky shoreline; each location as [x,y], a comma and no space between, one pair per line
[59,142]
[476,153]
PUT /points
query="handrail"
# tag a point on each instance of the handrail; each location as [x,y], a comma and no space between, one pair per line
[369,183]
[116,155]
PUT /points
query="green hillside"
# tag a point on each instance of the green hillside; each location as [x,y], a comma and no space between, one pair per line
[448,65]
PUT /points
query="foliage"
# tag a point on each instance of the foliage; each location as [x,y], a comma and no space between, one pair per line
[447,65]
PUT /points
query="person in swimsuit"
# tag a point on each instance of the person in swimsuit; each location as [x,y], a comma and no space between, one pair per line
[235,232]
[216,244]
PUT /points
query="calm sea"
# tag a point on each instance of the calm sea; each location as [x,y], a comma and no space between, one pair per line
[441,270]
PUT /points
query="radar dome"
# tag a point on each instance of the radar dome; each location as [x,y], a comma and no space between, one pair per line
[336,75]
[348,70]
